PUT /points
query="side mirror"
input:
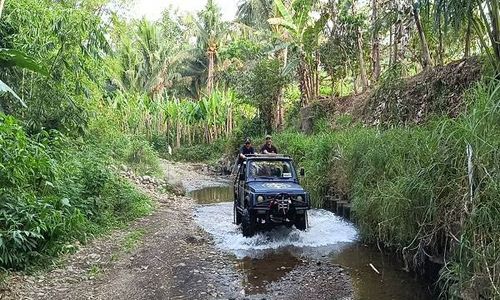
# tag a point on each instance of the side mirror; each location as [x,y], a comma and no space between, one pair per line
[302,172]
[242,176]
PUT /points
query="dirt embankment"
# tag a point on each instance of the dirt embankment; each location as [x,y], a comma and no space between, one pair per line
[166,255]
[413,100]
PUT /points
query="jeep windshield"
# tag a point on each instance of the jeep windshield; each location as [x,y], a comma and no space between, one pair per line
[271,169]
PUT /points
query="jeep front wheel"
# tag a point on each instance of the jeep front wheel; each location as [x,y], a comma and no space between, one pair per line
[248,223]
[237,215]
[301,221]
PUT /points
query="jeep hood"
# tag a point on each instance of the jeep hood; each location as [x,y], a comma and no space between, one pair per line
[273,187]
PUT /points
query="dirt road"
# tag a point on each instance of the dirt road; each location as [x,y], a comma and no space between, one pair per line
[166,255]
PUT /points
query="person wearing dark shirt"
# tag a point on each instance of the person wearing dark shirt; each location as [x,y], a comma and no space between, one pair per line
[245,150]
[268,147]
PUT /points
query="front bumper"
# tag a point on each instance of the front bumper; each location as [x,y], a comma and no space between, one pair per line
[281,210]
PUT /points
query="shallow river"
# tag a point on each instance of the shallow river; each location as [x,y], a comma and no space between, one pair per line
[268,256]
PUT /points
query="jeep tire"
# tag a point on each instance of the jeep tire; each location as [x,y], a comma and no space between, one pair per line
[301,221]
[248,223]
[237,215]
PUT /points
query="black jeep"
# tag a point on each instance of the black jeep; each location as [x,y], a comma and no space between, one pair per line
[267,193]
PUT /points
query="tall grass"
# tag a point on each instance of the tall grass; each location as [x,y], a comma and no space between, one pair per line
[410,188]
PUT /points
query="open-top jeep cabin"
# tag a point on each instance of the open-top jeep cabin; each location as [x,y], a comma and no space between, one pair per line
[267,193]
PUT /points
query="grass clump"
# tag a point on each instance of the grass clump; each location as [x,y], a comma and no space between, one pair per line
[133,240]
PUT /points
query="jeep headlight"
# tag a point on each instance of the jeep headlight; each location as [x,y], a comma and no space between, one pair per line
[260,199]
[300,198]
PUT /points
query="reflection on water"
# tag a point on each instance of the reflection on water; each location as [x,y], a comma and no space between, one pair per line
[270,267]
[268,256]
[213,195]
[391,283]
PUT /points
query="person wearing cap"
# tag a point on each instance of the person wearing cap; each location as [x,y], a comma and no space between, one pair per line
[245,150]
[268,147]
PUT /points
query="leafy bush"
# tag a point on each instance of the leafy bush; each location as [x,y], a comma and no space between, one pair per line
[203,152]
[142,157]
[52,193]
[107,140]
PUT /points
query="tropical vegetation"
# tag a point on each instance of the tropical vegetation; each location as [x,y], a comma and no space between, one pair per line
[86,88]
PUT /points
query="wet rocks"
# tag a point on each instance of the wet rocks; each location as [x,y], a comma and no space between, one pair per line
[316,281]
[192,239]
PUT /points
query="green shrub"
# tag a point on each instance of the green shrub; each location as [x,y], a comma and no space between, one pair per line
[108,141]
[53,192]
[142,157]
[203,152]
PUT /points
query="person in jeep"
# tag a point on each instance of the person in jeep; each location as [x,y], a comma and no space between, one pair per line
[268,147]
[245,150]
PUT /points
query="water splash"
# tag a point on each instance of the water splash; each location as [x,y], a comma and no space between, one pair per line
[326,233]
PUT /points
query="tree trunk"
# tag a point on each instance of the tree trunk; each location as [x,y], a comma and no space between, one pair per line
[398,35]
[359,44]
[440,44]
[304,97]
[468,36]
[362,69]
[375,44]
[279,109]
[283,56]
[390,46]
[426,58]
[494,8]
[211,67]
[355,84]
[493,31]
[332,76]
[316,72]
[2,2]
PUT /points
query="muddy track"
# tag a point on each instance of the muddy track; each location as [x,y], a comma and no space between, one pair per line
[166,255]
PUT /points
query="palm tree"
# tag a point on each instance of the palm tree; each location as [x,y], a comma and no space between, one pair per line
[255,13]
[149,60]
[211,34]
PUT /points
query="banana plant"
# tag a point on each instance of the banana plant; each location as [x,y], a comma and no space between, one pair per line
[14,58]
[303,35]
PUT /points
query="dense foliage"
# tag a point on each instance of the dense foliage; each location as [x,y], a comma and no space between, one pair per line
[84,89]
[53,192]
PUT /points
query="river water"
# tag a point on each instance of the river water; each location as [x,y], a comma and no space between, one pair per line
[268,256]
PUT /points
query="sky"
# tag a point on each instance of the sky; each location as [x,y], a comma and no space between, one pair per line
[152,9]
